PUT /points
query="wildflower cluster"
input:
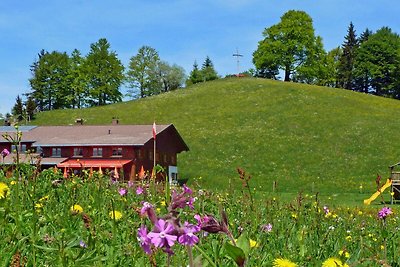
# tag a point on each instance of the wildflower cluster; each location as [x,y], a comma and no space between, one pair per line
[169,229]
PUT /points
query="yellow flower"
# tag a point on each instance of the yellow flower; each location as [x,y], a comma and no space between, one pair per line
[158,210]
[360,212]
[38,205]
[294,216]
[76,209]
[13,182]
[346,254]
[382,247]
[44,198]
[4,190]
[392,193]
[332,262]
[253,244]
[283,263]
[163,203]
[116,214]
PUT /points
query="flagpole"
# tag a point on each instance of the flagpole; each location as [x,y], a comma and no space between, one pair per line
[154,146]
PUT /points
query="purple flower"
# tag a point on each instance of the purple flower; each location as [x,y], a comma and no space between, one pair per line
[144,240]
[145,208]
[139,190]
[162,236]
[384,212]
[190,202]
[130,184]
[189,238]
[266,227]
[122,191]
[82,244]
[148,209]
[5,153]
[187,190]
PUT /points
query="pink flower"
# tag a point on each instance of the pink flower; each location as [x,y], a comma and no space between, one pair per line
[139,190]
[145,208]
[145,241]
[5,153]
[384,212]
[189,238]
[130,184]
[122,191]
[266,227]
[187,190]
[162,234]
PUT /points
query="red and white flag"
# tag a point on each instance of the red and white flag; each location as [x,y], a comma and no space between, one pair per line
[154,130]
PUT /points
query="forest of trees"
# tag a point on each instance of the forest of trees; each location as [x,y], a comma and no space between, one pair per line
[368,63]
[62,81]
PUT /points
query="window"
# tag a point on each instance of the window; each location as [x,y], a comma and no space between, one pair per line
[56,152]
[78,152]
[97,151]
[117,151]
[20,148]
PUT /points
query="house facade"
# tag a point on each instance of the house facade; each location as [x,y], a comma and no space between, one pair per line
[106,148]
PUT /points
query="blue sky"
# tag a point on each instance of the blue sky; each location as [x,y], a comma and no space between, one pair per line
[181,31]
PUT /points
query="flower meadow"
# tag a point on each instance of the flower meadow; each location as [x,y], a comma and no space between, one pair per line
[90,220]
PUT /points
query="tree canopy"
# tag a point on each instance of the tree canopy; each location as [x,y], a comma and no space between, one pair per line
[290,46]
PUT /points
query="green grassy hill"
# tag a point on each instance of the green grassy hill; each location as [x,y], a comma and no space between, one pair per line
[304,137]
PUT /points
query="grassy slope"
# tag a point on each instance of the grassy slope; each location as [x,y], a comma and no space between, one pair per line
[304,137]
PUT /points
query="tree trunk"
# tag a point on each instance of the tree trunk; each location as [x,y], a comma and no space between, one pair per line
[287,74]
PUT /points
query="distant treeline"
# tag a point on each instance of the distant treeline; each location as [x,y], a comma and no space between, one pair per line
[60,80]
[368,63]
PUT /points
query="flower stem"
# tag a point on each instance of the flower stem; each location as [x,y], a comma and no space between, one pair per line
[190,254]
[205,256]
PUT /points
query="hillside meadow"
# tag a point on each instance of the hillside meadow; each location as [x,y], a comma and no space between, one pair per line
[289,137]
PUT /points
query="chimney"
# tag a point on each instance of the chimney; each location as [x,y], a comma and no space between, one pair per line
[114,121]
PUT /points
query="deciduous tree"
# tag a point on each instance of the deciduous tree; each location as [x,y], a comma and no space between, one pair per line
[290,45]
[143,73]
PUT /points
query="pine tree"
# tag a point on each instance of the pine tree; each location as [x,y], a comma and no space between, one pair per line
[30,107]
[208,72]
[346,61]
[195,75]
[18,109]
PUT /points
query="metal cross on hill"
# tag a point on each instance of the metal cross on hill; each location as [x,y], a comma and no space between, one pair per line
[237,55]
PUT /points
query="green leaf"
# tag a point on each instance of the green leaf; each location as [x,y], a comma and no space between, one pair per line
[235,253]
[243,242]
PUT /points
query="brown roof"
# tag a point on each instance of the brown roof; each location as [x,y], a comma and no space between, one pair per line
[92,135]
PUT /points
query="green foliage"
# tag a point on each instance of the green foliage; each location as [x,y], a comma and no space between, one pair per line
[50,80]
[290,45]
[46,220]
[104,73]
[306,138]
[347,58]
[143,72]
[378,63]
[18,109]
[206,73]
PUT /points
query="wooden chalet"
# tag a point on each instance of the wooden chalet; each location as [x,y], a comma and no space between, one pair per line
[121,148]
